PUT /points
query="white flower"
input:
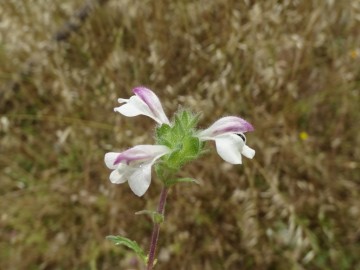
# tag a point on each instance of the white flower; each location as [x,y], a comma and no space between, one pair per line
[230,141]
[134,166]
[144,102]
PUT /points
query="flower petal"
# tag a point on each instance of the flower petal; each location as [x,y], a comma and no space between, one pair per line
[141,153]
[248,152]
[133,107]
[117,177]
[144,102]
[140,180]
[226,125]
[110,159]
[229,147]
[153,102]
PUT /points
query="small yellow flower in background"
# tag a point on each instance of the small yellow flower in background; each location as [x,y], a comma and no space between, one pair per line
[304,136]
[355,53]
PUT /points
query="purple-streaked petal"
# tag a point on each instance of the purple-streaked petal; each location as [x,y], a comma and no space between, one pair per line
[248,152]
[140,180]
[134,166]
[229,148]
[153,103]
[226,125]
[141,153]
[110,159]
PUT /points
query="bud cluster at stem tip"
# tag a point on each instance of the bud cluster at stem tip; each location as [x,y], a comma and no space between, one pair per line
[180,137]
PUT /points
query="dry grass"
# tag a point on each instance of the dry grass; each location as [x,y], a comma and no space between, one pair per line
[286,66]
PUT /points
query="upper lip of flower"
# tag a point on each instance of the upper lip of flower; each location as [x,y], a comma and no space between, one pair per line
[226,125]
[134,165]
[144,102]
[141,153]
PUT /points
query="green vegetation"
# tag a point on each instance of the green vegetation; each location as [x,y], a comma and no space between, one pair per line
[291,68]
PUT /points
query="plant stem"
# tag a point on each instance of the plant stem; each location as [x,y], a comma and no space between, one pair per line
[156,228]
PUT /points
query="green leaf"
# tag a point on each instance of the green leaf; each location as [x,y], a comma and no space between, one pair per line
[119,240]
[181,180]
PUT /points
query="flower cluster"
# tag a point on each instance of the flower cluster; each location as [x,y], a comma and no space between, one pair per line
[178,142]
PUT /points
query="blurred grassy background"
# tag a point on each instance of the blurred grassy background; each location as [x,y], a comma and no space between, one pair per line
[291,68]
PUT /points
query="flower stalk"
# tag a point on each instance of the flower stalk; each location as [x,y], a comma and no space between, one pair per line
[156,228]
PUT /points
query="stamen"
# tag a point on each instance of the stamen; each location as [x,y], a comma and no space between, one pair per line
[242,136]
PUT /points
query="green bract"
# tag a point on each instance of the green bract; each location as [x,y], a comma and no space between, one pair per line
[180,138]
[119,240]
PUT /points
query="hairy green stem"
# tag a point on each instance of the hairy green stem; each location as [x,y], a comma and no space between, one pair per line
[156,228]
